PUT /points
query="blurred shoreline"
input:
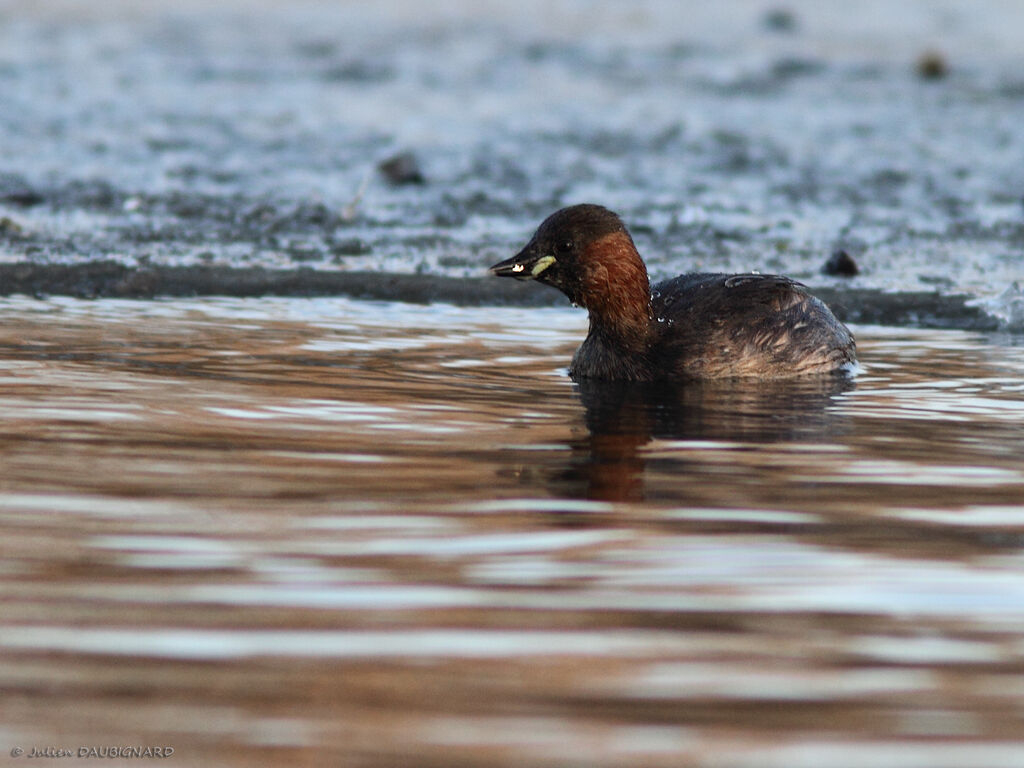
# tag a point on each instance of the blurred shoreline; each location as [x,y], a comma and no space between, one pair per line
[108,279]
[166,149]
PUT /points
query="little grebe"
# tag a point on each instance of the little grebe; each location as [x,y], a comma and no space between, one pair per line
[696,326]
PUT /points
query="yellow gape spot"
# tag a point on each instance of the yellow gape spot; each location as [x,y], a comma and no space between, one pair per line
[542,263]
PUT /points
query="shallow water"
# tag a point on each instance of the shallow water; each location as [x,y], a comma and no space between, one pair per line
[329,531]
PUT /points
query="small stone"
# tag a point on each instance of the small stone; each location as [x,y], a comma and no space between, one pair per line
[932,65]
[402,168]
[841,264]
[14,190]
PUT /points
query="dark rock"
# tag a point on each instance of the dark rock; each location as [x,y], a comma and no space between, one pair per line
[841,264]
[16,191]
[932,65]
[402,168]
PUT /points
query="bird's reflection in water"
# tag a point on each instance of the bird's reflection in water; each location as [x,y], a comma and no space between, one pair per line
[621,418]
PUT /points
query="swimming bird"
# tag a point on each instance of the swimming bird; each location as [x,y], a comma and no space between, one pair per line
[695,326]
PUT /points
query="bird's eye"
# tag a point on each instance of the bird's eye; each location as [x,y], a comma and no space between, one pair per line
[564,246]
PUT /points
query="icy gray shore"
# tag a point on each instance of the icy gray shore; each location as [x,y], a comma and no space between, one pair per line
[202,147]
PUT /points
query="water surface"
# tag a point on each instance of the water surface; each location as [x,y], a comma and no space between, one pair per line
[366,534]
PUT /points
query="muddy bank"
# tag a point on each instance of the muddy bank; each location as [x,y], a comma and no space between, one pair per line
[185,142]
[109,279]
